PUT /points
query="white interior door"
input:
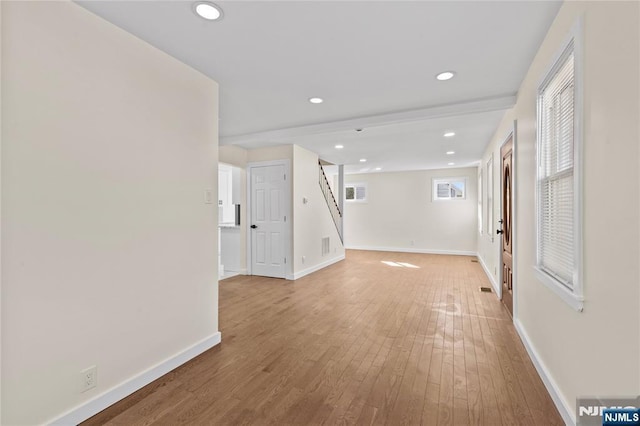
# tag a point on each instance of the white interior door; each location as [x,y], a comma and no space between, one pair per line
[268,220]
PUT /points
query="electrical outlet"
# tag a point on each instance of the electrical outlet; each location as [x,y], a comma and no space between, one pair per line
[303,259]
[413,243]
[89,378]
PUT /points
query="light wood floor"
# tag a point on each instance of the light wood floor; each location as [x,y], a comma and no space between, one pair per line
[360,342]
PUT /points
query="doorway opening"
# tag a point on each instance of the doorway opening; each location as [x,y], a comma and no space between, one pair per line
[230,221]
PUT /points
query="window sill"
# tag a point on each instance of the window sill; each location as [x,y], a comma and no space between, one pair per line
[571,299]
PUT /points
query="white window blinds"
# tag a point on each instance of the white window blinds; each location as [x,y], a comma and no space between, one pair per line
[480,194]
[449,189]
[556,102]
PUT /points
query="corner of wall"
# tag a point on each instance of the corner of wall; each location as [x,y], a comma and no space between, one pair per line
[307,240]
[559,400]
[490,276]
[233,155]
[95,405]
[107,262]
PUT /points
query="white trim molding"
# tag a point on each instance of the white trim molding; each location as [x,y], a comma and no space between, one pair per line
[574,300]
[514,220]
[413,250]
[492,279]
[501,103]
[126,388]
[565,409]
[307,271]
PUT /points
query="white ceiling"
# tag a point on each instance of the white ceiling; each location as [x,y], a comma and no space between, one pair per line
[373,62]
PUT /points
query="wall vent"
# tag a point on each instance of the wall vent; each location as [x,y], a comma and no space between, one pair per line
[326,246]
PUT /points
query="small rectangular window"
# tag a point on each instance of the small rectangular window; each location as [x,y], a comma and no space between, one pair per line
[449,189]
[356,192]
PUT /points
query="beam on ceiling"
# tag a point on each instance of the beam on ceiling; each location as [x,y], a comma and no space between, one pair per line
[280,136]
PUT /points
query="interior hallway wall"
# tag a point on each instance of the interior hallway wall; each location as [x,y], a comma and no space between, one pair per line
[401,215]
[108,247]
[595,352]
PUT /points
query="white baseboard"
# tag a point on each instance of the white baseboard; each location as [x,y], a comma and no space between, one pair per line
[566,411]
[115,394]
[315,268]
[413,250]
[492,279]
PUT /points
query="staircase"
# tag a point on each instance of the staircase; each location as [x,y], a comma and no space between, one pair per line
[334,209]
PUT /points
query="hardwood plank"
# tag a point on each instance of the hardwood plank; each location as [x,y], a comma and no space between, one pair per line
[360,342]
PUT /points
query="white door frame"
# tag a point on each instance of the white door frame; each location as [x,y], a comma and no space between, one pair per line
[514,220]
[514,171]
[287,207]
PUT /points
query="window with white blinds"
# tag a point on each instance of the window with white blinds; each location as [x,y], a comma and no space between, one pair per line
[480,194]
[490,197]
[557,224]
[449,189]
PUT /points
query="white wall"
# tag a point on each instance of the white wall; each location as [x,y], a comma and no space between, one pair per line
[108,249]
[226,209]
[399,214]
[597,351]
[311,221]
[230,191]
[280,152]
[233,155]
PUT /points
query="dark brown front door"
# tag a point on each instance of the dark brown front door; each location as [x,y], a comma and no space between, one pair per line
[506,153]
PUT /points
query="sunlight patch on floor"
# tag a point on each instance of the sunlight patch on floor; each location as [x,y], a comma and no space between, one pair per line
[400,264]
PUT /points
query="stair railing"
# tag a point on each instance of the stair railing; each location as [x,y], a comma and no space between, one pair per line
[334,209]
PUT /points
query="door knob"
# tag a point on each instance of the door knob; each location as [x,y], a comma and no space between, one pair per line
[499,231]
[254,226]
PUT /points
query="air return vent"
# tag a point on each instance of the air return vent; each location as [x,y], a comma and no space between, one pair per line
[326,246]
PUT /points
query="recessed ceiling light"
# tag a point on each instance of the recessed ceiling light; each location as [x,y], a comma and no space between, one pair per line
[378,168]
[450,152]
[363,160]
[447,75]
[449,134]
[208,11]
[451,164]
[316,100]
[339,146]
